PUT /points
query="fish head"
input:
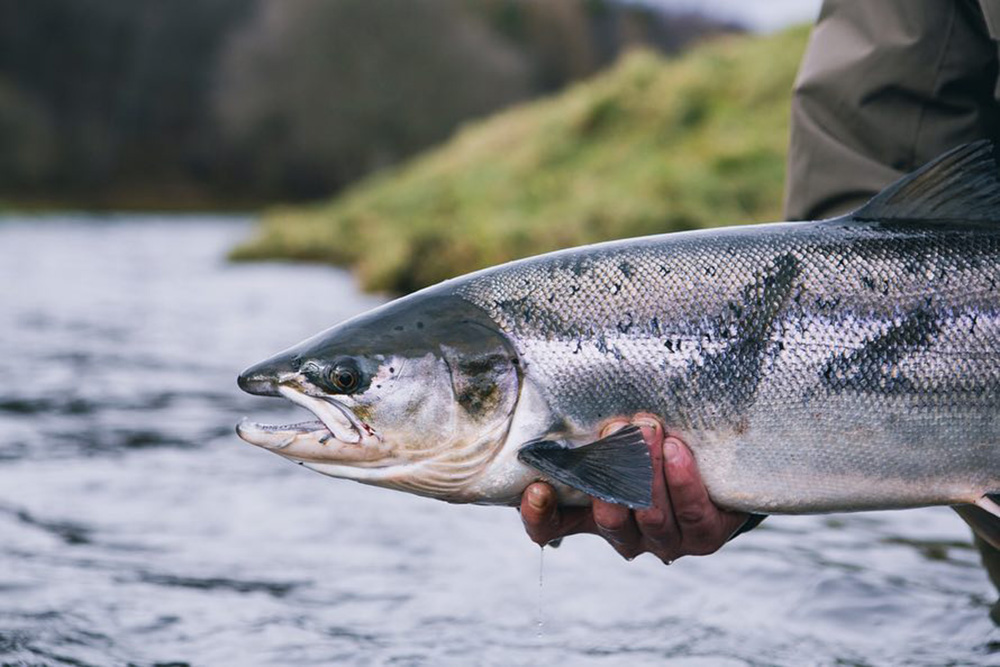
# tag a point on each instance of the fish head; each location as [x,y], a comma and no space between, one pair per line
[417,395]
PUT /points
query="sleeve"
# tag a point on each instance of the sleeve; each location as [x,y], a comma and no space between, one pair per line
[883,88]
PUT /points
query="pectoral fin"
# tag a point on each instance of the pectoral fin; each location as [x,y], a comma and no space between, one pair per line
[616,469]
[983,518]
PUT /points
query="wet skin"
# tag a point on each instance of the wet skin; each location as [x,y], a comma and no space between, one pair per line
[683,521]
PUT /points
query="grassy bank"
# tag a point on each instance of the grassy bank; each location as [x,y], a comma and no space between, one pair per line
[651,146]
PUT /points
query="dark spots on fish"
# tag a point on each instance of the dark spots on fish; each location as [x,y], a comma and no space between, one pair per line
[392,369]
[573,289]
[420,325]
[398,328]
[552,297]
[710,271]
[730,375]
[516,309]
[827,305]
[972,328]
[378,386]
[876,366]
[579,346]
[664,270]
[654,326]
[868,282]
[616,288]
[669,344]
[626,269]
[625,325]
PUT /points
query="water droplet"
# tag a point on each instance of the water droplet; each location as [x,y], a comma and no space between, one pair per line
[541,579]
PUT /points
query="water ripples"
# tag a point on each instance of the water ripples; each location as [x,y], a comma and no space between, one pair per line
[135,528]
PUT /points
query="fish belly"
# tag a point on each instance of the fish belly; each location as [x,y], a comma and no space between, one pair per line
[811,367]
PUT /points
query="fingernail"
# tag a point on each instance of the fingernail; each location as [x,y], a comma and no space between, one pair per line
[645,422]
[536,499]
[613,427]
[671,450]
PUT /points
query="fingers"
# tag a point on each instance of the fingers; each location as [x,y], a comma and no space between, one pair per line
[703,527]
[616,524]
[539,513]
[681,521]
[656,523]
[544,521]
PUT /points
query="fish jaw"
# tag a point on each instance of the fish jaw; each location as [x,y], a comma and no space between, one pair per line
[310,442]
[339,420]
[336,437]
[279,437]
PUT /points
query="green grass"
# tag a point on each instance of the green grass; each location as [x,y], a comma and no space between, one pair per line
[651,146]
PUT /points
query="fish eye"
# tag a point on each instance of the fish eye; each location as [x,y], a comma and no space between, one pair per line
[345,379]
[341,376]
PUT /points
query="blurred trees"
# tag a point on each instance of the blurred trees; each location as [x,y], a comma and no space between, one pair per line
[118,92]
[182,102]
[314,93]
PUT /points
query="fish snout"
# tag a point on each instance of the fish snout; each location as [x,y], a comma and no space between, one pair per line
[262,379]
[259,385]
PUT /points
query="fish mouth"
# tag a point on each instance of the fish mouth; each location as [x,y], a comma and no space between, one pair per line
[340,421]
[338,435]
[277,437]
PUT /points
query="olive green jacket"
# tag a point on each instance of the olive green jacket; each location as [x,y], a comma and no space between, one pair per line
[885,86]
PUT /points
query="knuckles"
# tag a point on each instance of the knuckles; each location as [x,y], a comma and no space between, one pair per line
[611,518]
[652,520]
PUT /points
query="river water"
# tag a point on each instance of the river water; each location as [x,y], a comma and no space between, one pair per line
[135,528]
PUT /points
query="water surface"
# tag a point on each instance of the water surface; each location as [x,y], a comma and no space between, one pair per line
[136,528]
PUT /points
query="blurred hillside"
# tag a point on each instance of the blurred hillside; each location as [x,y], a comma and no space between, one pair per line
[651,146]
[188,103]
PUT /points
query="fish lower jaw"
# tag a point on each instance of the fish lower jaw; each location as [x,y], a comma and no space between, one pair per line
[280,436]
[313,443]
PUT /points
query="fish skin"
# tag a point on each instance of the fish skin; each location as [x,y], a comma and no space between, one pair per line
[840,365]
[811,367]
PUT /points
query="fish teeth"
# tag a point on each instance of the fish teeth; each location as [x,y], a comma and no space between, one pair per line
[273,437]
[331,414]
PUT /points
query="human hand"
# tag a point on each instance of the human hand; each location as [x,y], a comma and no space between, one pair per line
[682,520]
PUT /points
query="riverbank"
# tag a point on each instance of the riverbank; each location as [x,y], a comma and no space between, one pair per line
[652,146]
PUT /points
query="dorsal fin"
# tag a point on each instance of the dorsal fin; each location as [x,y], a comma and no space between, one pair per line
[961,186]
